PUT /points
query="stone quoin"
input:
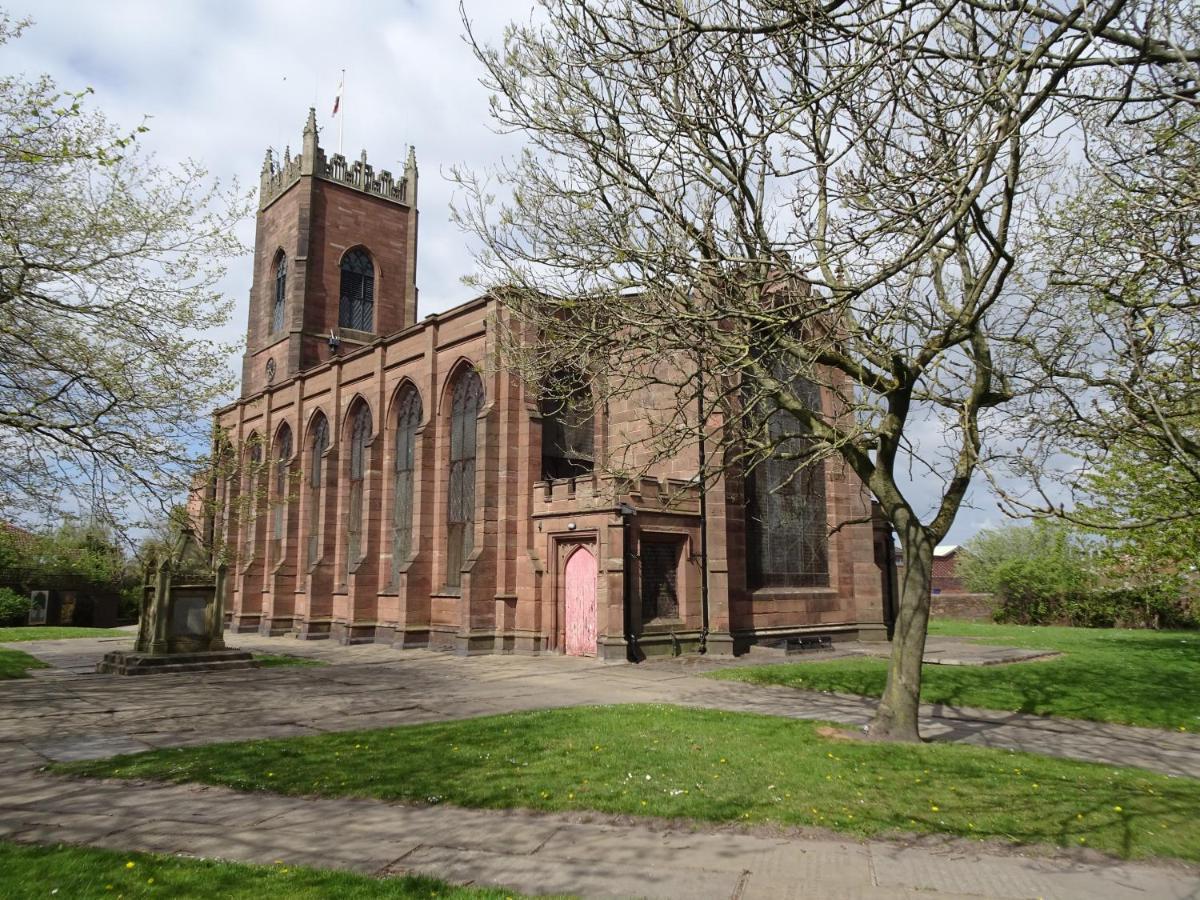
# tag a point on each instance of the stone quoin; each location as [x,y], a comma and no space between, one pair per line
[398,484]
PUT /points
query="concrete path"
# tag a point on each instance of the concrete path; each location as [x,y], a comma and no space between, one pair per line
[65,716]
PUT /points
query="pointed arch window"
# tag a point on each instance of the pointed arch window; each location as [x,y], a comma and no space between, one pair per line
[360,464]
[254,459]
[280,490]
[408,420]
[316,486]
[465,404]
[279,308]
[357,308]
[787,532]
[568,427]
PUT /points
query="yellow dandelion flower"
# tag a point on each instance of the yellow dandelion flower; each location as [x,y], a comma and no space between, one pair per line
[1116,809]
[130,864]
[933,809]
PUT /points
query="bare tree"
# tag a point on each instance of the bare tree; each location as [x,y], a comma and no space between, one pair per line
[738,200]
[108,273]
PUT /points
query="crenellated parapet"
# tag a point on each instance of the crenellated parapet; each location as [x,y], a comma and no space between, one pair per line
[280,174]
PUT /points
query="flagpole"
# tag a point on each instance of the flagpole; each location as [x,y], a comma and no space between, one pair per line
[342,114]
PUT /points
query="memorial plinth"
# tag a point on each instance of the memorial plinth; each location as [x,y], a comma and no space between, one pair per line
[182,618]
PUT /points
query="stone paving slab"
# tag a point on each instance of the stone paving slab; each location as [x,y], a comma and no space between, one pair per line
[549,853]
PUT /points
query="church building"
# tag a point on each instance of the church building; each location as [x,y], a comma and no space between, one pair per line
[398,485]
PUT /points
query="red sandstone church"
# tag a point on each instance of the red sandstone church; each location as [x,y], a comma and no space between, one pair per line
[399,486]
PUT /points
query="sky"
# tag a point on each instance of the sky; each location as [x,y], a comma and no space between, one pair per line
[220,81]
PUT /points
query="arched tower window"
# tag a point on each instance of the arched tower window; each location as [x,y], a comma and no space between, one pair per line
[465,404]
[280,306]
[280,489]
[568,427]
[357,309]
[253,468]
[787,535]
[408,419]
[360,464]
[316,485]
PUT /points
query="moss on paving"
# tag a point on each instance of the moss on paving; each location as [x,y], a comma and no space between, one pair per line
[1132,677]
[708,765]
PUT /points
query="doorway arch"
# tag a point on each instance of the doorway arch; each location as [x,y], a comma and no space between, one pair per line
[579,607]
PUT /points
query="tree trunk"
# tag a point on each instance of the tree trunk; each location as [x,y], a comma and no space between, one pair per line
[896,717]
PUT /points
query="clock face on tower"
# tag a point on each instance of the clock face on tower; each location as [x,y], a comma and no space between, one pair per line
[270,370]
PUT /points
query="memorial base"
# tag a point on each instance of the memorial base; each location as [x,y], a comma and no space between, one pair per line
[127,662]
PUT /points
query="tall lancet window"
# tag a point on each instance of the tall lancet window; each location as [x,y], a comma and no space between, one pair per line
[408,420]
[280,490]
[360,464]
[464,410]
[568,427]
[280,306]
[250,506]
[316,486]
[788,535]
[357,309]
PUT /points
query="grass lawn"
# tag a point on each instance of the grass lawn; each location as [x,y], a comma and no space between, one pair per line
[274,661]
[709,765]
[14,664]
[1147,678]
[58,632]
[70,872]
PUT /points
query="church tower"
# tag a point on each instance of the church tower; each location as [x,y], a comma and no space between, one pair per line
[335,255]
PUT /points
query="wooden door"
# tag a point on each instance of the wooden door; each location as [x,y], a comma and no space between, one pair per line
[580,608]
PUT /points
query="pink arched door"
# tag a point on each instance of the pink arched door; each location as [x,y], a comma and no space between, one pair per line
[580,612]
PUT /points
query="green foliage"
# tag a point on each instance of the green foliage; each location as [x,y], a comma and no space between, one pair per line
[14,607]
[77,555]
[1133,677]
[109,266]
[1034,570]
[717,766]
[1048,573]
[28,872]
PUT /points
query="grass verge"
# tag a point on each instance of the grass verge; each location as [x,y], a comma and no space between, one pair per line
[274,661]
[58,632]
[1148,678]
[27,872]
[709,765]
[15,664]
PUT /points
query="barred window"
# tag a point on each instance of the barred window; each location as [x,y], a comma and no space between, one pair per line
[316,479]
[568,427]
[357,308]
[787,534]
[464,410]
[280,307]
[360,463]
[660,579]
[408,419]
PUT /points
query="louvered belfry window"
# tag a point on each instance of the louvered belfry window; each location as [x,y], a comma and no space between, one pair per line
[280,307]
[283,458]
[408,420]
[360,463]
[464,410]
[568,427]
[357,308]
[316,484]
[788,536]
[660,579]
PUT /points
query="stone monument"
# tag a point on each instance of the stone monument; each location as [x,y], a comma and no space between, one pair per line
[182,616]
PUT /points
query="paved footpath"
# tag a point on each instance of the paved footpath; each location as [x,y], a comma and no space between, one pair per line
[61,715]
